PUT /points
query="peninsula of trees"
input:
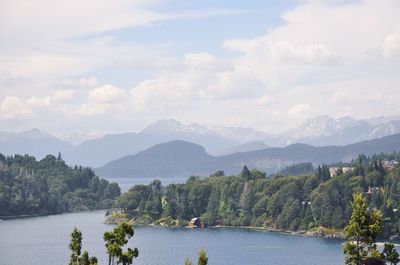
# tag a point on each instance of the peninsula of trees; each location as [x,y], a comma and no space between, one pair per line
[49,186]
[302,202]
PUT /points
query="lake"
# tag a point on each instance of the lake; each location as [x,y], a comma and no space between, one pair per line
[44,241]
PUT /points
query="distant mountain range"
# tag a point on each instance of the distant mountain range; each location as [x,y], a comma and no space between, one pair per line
[180,158]
[324,130]
[94,149]
[246,147]
[33,142]
[76,138]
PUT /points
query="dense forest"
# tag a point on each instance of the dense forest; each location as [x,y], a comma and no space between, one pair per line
[301,202]
[49,186]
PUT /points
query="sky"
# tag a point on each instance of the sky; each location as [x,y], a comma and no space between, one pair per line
[114,66]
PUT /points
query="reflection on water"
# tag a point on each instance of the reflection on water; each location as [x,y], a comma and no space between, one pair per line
[44,241]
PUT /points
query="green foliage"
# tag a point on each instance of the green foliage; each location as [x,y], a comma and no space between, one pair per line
[323,173]
[246,173]
[203,259]
[297,169]
[49,186]
[115,240]
[188,261]
[75,246]
[364,226]
[285,202]
[389,254]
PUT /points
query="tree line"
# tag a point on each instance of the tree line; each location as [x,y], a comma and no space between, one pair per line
[49,186]
[301,202]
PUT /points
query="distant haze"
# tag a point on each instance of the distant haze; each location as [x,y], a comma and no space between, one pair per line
[179,158]
[96,150]
[117,66]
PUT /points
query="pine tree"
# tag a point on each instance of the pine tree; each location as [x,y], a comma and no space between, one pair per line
[75,246]
[59,158]
[364,226]
[203,259]
[319,173]
[246,174]
[115,240]
[188,262]
[389,254]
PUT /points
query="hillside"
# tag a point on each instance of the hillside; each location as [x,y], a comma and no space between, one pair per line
[179,158]
[49,186]
[175,158]
[245,147]
[302,202]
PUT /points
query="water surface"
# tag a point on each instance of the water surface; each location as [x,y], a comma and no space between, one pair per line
[44,241]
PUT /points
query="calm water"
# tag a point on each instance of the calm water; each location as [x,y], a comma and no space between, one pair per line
[44,241]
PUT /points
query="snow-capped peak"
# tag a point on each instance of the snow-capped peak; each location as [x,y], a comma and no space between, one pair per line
[322,126]
[76,138]
[35,134]
[172,126]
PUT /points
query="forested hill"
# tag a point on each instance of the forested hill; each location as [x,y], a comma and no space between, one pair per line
[303,202]
[49,186]
[180,158]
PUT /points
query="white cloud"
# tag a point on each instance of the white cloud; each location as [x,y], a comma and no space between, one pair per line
[13,107]
[44,42]
[64,96]
[194,59]
[325,58]
[107,99]
[16,107]
[301,110]
[282,51]
[107,94]
[81,82]
[46,19]
[391,46]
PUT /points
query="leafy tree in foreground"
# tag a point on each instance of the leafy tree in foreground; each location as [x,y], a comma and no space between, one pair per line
[203,259]
[364,226]
[389,254]
[188,262]
[115,240]
[75,246]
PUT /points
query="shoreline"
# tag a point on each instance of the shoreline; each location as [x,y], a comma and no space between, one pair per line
[320,232]
[302,233]
[24,216]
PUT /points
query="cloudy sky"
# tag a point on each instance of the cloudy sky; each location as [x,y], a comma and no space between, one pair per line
[119,65]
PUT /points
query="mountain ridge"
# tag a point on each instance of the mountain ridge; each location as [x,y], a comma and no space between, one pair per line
[97,151]
[149,164]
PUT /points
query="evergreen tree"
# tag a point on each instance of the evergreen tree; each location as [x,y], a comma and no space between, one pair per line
[203,259]
[85,260]
[188,261]
[75,246]
[115,240]
[364,226]
[246,174]
[389,254]
[212,207]
[323,173]
[319,172]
